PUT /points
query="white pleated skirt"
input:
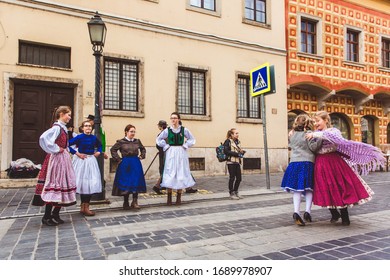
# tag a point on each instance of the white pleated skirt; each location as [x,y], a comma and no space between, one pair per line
[177,173]
[88,180]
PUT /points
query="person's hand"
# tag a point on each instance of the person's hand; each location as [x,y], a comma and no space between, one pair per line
[309,135]
[96,154]
[290,133]
[105,156]
[80,155]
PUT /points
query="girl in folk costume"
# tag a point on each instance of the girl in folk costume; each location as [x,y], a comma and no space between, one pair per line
[129,176]
[337,184]
[299,174]
[176,174]
[234,152]
[88,178]
[56,181]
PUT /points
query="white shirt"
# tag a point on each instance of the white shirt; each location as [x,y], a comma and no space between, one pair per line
[48,138]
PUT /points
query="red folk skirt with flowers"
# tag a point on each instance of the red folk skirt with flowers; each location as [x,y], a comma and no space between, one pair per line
[56,180]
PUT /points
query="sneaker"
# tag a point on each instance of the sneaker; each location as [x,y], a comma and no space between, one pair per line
[234,197]
[157,190]
[191,190]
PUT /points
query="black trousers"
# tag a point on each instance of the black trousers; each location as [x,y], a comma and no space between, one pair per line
[234,177]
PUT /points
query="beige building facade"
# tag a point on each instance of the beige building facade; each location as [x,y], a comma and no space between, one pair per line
[160,56]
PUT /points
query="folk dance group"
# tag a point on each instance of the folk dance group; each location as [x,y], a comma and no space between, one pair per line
[324,167]
[62,176]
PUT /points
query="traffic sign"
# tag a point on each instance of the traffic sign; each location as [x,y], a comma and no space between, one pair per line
[262,80]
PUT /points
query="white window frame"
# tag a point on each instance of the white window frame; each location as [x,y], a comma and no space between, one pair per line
[359,63]
[381,38]
[319,33]
[268,14]
[216,13]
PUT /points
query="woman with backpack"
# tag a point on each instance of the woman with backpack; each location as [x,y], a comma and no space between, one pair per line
[234,155]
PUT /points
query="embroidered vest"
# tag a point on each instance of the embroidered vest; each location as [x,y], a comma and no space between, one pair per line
[175,139]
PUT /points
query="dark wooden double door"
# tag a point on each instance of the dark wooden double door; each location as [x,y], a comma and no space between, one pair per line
[33,110]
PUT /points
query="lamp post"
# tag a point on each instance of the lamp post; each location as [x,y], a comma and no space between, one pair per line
[97,33]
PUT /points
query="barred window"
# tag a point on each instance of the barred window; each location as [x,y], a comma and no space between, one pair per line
[44,55]
[204,4]
[248,107]
[120,85]
[386,53]
[191,92]
[256,10]
[308,36]
[352,45]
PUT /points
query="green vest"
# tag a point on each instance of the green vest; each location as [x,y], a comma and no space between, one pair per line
[176,139]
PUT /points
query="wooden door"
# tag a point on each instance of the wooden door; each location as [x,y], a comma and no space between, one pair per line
[33,108]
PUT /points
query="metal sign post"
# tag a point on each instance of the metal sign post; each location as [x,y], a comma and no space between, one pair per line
[263,115]
[263,82]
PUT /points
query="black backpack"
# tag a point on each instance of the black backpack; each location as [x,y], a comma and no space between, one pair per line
[221,156]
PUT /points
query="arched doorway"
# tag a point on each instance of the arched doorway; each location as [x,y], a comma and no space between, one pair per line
[368,130]
[340,122]
[388,133]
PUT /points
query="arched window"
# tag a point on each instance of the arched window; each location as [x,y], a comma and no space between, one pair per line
[367,127]
[338,121]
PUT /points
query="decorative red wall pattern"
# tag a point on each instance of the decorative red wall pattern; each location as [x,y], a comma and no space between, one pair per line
[328,69]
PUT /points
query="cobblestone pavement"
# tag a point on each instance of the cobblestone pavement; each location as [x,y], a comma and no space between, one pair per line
[207,226]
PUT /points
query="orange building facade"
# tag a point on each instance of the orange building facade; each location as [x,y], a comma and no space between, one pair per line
[339,61]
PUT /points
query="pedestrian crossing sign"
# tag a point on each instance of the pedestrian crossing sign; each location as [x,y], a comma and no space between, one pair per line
[261,80]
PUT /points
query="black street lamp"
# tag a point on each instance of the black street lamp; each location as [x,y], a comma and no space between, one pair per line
[97,33]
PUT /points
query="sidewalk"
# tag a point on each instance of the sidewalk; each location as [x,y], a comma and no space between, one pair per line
[16,202]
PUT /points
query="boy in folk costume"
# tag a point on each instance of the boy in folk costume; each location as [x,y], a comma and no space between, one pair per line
[337,184]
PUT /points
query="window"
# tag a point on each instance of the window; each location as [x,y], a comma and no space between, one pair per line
[386,53]
[338,121]
[191,91]
[121,84]
[367,127]
[44,55]
[204,4]
[256,10]
[248,107]
[352,44]
[308,36]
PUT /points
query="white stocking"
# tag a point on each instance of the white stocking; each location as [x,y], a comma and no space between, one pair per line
[309,199]
[297,201]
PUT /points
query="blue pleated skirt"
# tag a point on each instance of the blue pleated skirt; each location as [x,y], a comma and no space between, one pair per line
[299,177]
[129,177]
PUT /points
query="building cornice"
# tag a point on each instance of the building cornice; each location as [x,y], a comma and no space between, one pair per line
[110,18]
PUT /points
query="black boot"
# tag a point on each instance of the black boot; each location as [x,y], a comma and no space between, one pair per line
[55,215]
[47,220]
[345,217]
[335,215]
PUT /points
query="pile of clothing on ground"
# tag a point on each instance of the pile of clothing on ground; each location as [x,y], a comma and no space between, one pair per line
[23,168]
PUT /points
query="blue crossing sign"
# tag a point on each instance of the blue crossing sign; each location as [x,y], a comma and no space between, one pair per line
[262,80]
